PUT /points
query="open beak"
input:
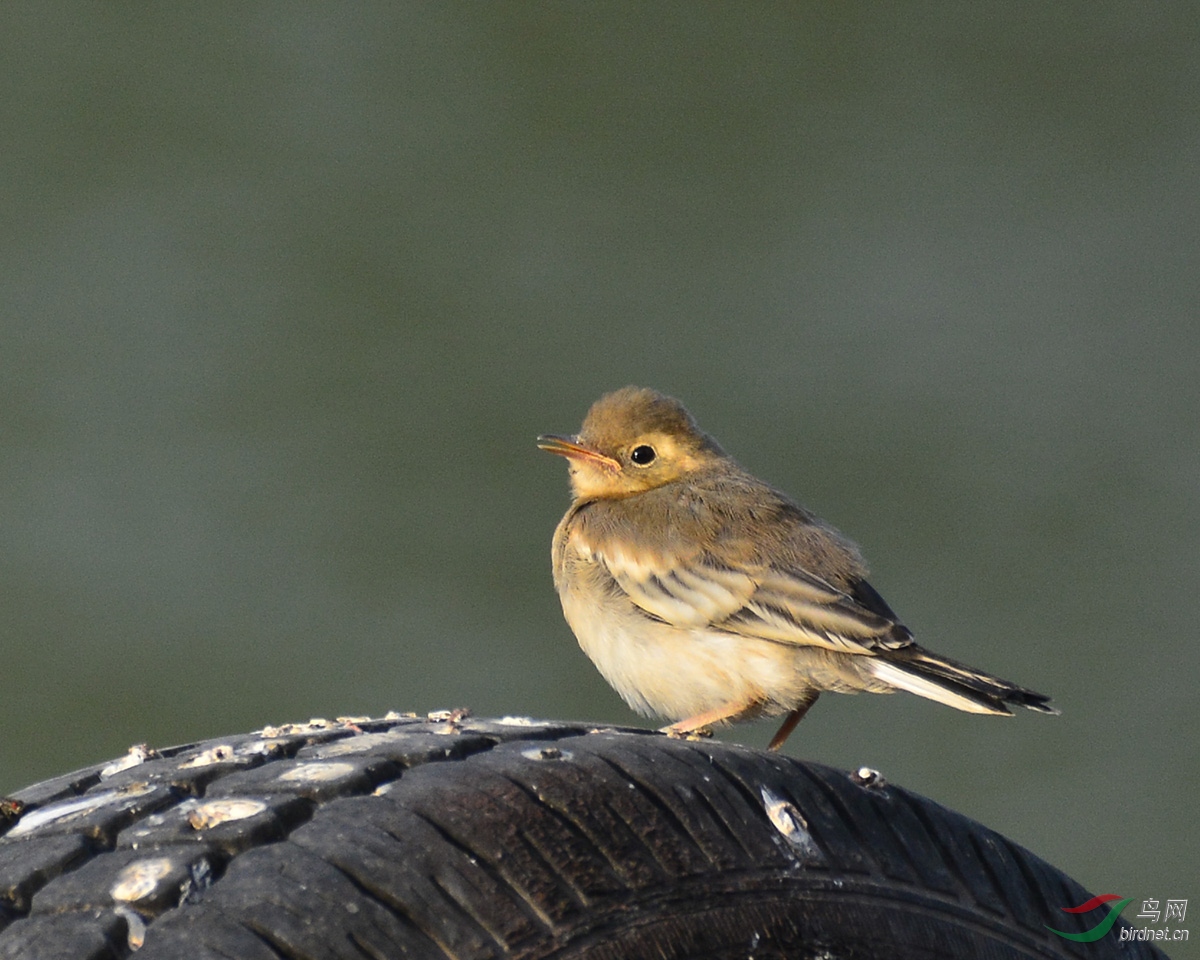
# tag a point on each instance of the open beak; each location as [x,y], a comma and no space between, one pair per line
[571,448]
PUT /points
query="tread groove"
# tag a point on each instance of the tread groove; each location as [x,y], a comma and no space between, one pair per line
[272,943]
[230,956]
[367,950]
[845,816]
[1033,886]
[994,881]
[756,803]
[579,896]
[451,898]
[715,813]
[532,911]
[935,836]
[386,904]
[900,843]
[655,800]
[726,830]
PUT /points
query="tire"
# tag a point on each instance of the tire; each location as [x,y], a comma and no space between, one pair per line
[457,838]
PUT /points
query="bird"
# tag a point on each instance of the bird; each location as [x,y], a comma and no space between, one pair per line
[705,596]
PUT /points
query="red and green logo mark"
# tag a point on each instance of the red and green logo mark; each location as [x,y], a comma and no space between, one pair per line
[1103,926]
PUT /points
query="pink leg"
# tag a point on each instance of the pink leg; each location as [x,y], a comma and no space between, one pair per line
[790,721]
[702,721]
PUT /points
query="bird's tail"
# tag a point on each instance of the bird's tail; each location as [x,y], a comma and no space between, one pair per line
[955,684]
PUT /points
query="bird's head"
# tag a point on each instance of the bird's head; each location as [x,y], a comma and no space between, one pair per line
[633,440]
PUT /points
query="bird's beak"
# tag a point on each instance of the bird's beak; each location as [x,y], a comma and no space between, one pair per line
[571,448]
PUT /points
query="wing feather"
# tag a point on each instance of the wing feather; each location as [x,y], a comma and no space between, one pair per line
[685,595]
[786,606]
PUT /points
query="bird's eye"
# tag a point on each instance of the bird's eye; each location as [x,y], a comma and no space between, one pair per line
[642,455]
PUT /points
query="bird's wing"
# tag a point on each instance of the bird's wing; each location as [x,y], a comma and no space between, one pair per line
[784,605]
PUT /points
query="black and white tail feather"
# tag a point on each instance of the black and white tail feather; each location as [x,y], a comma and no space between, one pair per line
[904,664]
[955,684]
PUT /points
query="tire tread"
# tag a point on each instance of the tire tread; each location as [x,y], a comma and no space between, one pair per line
[469,840]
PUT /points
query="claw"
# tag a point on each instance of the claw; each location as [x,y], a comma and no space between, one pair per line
[700,733]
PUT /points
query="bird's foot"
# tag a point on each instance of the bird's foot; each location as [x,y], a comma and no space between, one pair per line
[675,733]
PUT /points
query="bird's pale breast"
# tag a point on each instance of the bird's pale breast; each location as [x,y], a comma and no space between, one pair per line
[676,672]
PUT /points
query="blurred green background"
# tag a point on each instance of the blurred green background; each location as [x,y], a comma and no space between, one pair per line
[289,290]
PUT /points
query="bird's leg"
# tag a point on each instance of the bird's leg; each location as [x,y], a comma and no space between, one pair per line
[700,724]
[790,721]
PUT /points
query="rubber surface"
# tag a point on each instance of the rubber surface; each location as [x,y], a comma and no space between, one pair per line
[466,838]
